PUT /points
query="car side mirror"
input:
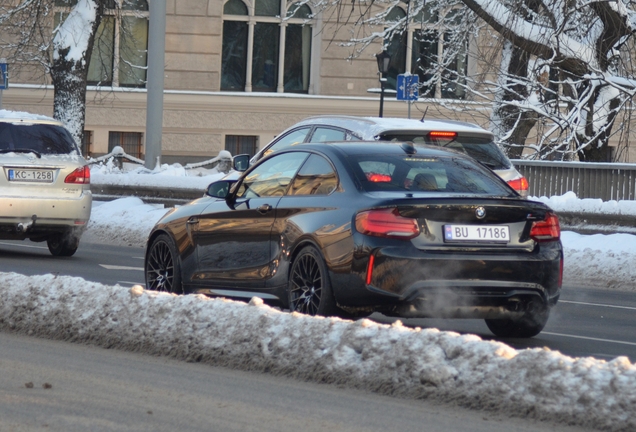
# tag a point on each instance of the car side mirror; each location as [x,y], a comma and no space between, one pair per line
[241,162]
[220,189]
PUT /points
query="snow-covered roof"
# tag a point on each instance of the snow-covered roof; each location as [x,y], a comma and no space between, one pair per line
[13,116]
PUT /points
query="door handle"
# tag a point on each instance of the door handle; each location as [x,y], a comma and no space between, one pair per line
[264,208]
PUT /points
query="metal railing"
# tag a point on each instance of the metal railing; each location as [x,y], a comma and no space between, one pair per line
[607,181]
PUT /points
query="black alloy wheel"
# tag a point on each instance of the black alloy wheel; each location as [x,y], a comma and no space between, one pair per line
[309,289]
[529,325]
[163,271]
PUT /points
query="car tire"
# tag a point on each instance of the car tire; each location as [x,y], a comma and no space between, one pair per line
[63,245]
[309,289]
[529,325]
[162,267]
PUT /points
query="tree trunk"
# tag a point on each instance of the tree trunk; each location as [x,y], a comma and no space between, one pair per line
[510,121]
[69,77]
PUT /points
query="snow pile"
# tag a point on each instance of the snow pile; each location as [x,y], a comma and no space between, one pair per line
[392,360]
[569,202]
[125,221]
[599,260]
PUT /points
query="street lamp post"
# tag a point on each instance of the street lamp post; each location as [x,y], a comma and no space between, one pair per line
[383,60]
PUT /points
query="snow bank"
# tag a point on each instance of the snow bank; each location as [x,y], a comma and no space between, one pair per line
[569,202]
[392,360]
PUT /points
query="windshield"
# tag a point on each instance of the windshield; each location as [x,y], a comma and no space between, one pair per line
[393,173]
[40,138]
[481,148]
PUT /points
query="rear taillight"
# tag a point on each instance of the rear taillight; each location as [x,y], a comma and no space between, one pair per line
[546,230]
[79,176]
[386,223]
[520,185]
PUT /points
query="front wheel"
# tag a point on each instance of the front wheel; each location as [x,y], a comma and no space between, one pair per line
[309,289]
[162,267]
[529,325]
[64,245]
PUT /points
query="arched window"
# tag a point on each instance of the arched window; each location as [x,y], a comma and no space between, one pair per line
[266,46]
[120,50]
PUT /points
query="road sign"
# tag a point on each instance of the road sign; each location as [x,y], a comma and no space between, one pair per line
[408,87]
[4,77]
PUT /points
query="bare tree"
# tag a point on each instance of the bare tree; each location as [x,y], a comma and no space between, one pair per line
[558,71]
[52,41]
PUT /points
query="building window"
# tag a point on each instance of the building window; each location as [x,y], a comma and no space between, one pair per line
[120,50]
[131,142]
[441,71]
[87,144]
[241,144]
[262,51]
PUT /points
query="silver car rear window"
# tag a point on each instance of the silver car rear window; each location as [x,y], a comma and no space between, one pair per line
[482,149]
[41,138]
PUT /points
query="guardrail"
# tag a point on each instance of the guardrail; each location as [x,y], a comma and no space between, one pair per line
[607,181]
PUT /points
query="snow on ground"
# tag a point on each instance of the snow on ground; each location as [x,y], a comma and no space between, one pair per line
[389,359]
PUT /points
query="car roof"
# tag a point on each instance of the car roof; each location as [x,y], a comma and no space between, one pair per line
[370,127]
[7,116]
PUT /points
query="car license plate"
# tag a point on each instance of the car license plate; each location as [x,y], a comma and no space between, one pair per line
[477,233]
[31,175]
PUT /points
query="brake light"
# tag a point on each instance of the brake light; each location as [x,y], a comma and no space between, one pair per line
[546,230]
[520,185]
[79,176]
[378,178]
[387,223]
[443,134]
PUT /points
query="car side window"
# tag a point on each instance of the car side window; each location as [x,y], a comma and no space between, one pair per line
[325,134]
[294,137]
[272,177]
[316,177]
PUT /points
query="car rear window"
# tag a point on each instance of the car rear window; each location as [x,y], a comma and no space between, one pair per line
[42,138]
[481,148]
[443,175]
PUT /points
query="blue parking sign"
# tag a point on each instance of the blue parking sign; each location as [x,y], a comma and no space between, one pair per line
[4,77]
[408,87]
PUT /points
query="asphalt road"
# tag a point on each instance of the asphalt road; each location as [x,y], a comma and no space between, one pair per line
[586,322]
[57,386]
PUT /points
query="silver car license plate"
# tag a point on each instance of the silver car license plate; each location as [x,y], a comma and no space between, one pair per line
[477,233]
[31,175]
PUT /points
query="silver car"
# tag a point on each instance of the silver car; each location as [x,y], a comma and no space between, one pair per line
[464,137]
[45,183]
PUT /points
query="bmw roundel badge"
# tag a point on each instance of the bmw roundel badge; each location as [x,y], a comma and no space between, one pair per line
[480,212]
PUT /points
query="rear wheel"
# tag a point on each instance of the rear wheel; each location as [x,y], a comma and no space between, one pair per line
[529,325]
[309,289]
[162,267]
[64,245]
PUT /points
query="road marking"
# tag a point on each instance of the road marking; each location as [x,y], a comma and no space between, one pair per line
[598,304]
[116,267]
[589,338]
[23,245]
[131,283]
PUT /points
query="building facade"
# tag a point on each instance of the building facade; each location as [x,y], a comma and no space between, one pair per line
[238,72]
